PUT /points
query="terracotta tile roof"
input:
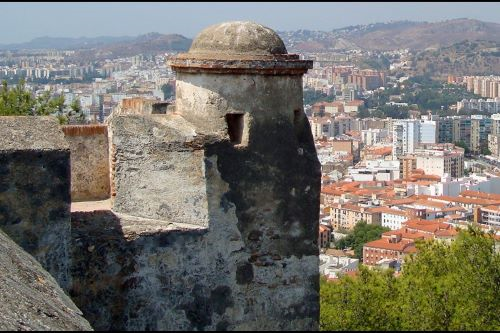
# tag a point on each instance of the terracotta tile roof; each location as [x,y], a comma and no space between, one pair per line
[355,102]
[404,234]
[446,233]
[380,151]
[403,201]
[454,217]
[481,195]
[454,209]
[428,226]
[387,210]
[495,209]
[385,244]
[428,203]
[472,201]
[323,228]
[423,177]
[356,208]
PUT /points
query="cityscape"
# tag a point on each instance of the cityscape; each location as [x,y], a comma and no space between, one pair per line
[406,132]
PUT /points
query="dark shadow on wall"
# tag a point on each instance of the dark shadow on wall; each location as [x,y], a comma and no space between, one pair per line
[123,281]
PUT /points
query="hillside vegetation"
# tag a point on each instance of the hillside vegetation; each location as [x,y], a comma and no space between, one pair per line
[464,58]
[393,35]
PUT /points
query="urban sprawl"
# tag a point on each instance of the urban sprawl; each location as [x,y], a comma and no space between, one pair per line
[422,175]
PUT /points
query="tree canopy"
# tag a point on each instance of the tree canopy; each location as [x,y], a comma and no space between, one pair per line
[19,101]
[442,287]
[362,233]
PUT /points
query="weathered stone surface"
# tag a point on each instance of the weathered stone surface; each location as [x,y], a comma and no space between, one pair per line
[255,267]
[30,298]
[215,218]
[35,190]
[31,133]
[237,38]
[89,161]
[239,48]
[158,169]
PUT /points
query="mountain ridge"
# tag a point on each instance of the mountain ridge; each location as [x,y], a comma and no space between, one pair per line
[379,36]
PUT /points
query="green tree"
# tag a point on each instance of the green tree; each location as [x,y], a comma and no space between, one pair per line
[364,113]
[75,114]
[485,150]
[312,96]
[16,101]
[359,303]
[463,145]
[19,101]
[442,287]
[362,233]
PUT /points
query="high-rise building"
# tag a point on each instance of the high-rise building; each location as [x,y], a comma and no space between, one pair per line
[405,135]
[494,136]
[406,166]
[480,128]
[445,130]
[440,162]
[409,133]
[427,131]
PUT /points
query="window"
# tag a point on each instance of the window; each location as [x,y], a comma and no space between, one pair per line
[235,127]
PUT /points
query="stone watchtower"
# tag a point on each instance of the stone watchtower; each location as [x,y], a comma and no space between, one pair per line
[225,191]
[238,82]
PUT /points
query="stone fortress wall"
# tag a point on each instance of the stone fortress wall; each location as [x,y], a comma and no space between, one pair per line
[215,204]
[90,179]
[35,191]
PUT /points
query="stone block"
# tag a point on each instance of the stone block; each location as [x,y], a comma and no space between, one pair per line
[30,298]
[35,190]
[90,178]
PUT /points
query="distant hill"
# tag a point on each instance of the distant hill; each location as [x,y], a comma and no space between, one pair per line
[377,36]
[108,47]
[393,35]
[149,43]
[464,58]
[63,43]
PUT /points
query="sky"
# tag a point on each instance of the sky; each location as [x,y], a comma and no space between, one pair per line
[22,22]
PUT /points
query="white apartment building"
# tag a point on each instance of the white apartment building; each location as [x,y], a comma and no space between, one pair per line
[371,137]
[491,105]
[380,170]
[490,216]
[393,218]
[453,187]
[321,127]
[494,136]
[441,162]
[427,131]
[405,137]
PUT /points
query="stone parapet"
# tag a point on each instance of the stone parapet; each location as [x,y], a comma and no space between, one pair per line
[35,190]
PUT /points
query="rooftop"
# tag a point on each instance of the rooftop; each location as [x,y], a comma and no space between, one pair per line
[239,47]
[238,37]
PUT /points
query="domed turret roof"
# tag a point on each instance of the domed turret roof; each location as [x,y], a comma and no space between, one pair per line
[238,38]
[239,47]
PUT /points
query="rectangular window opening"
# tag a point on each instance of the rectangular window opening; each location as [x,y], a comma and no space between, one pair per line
[235,127]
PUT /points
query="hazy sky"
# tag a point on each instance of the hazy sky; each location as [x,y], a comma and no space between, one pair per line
[20,22]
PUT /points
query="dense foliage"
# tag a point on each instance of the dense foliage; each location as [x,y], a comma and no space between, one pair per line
[443,287]
[18,101]
[362,233]
[312,96]
[420,93]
